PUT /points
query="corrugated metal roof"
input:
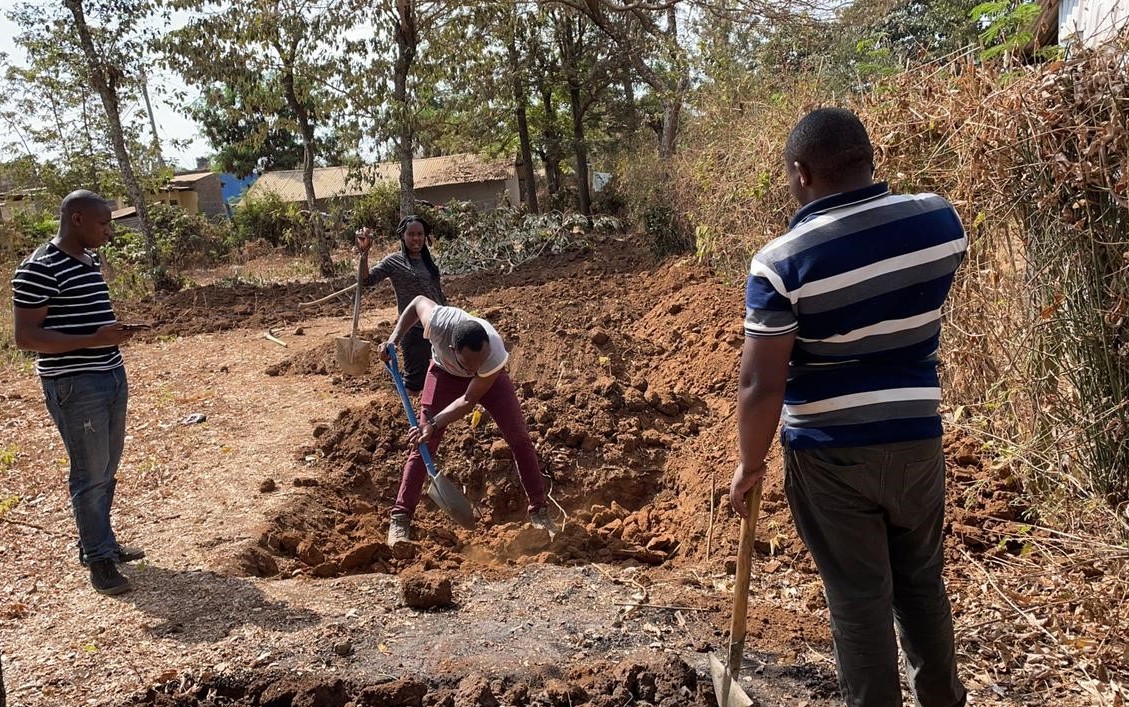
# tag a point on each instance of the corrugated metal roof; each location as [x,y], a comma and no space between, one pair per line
[190,177]
[330,182]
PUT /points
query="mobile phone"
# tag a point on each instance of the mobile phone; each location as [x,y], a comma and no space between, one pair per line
[136,327]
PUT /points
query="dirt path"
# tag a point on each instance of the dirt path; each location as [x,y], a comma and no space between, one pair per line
[629,390]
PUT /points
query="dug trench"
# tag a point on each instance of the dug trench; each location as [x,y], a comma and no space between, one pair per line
[626,371]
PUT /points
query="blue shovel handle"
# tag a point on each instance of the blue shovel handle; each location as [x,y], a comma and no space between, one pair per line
[412,420]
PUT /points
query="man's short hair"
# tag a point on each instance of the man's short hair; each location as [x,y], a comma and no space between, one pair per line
[830,141]
[469,334]
[81,200]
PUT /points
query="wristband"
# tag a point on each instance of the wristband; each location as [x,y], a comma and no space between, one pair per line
[430,420]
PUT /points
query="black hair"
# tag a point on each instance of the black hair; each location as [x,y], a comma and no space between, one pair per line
[469,334]
[829,142]
[81,200]
[402,228]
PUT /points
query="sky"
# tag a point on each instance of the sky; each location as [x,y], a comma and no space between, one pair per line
[171,123]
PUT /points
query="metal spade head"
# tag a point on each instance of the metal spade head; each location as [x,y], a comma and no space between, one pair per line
[451,500]
[728,692]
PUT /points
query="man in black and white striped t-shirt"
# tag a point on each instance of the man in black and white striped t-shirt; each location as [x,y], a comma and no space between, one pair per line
[63,312]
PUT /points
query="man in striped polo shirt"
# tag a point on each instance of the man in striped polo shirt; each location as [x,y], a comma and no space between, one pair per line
[843,319]
[63,312]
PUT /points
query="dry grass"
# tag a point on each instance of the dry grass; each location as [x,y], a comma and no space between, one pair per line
[1036,346]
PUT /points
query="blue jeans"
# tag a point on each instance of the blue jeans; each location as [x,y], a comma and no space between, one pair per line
[872,519]
[89,410]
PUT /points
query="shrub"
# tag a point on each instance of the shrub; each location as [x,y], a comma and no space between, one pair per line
[505,238]
[379,210]
[25,232]
[183,240]
[270,219]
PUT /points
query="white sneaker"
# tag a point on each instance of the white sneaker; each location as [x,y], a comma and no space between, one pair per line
[399,529]
[541,520]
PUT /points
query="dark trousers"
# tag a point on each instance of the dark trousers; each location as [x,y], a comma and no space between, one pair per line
[416,353]
[871,518]
[439,391]
[89,410]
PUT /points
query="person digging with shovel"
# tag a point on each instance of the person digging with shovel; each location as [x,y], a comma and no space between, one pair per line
[468,368]
[843,320]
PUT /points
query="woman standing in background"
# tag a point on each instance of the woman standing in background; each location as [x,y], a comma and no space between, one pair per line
[412,273]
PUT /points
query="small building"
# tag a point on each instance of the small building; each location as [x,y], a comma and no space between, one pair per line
[16,202]
[463,177]
[194,193]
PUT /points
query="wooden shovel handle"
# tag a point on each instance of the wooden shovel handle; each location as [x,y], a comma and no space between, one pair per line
[744,573]
[357,300]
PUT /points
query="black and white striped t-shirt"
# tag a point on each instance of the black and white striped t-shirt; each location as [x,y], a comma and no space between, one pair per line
[77,301]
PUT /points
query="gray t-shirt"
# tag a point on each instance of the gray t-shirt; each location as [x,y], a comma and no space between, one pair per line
[440,331]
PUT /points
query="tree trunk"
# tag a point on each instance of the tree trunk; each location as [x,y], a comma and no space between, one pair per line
[528,177]
[572,48]
[321,241]
[672,107]
[628,83]
[672,101]
[407,39]
[580,149]
[105,83]
[552,153]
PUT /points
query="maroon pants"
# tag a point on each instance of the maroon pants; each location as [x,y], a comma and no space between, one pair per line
[440,389]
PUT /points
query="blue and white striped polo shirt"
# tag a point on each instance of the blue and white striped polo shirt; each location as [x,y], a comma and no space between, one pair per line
[860,279]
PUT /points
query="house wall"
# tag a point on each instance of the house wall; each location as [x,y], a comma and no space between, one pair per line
[9,209]
[186,201]
[209,194]
[128,222]
[484,195]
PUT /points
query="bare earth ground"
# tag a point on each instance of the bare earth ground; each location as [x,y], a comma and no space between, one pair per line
[289,597]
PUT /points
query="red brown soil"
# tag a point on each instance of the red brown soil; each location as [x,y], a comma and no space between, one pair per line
[626,371]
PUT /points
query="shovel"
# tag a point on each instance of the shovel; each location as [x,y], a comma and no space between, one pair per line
[445,494]
[353,353]
[729,692]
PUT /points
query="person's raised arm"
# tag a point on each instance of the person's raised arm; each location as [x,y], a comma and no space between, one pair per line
[420,310]
[31,336]
[364,244]
[760,397]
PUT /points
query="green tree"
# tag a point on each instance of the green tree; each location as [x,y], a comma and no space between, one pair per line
[291,41]
[110,49]
[82,67]
[393,79]
[647,35]
[251,128]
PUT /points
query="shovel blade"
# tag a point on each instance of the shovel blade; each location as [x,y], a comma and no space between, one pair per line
[451,500]
[725,687]
[353,355]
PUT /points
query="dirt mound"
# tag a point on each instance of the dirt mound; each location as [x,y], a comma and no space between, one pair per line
[658,679]
[630,403]
[322,361]
[221,306]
